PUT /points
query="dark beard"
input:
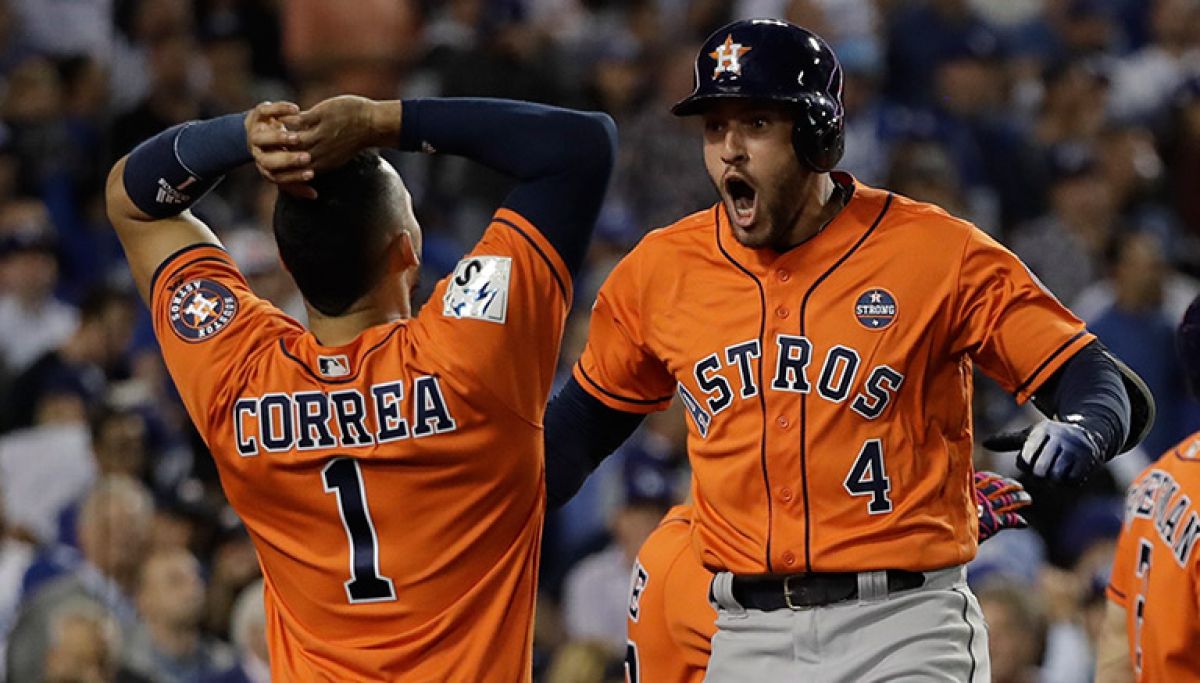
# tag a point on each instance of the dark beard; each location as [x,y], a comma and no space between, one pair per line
[783,212]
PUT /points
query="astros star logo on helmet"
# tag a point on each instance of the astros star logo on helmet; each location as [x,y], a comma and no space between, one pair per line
[728,56]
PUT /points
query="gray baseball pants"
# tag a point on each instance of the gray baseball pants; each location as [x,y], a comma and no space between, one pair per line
[928,634]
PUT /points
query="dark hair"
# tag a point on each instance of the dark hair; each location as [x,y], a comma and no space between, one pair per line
[332,244]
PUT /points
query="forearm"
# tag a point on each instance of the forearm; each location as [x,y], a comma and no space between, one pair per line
[580,433]
[521,139]
[171,171]
[1088,389]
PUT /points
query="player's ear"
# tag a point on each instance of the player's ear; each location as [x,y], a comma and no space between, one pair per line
[402,253]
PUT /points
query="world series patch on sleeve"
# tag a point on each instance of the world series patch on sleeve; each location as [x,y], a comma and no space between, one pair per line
[479,289]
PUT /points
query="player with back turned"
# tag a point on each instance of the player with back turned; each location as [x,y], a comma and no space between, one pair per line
[387,465]
[822,336]
[1152,627]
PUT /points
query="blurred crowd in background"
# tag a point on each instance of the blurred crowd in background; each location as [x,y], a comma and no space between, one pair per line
[1068,129]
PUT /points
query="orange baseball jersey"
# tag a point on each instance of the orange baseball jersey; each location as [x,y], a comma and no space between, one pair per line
[1156,571]
[828,387]
[392,486]
[670,620]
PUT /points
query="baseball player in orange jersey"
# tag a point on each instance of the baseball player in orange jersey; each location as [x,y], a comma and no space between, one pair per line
[670,621]
[822,335]
[387,466]
[1152,628]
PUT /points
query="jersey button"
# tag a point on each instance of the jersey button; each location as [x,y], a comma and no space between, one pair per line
[782,312]
[783,275]
[782,422]
[785,494]
[789,559]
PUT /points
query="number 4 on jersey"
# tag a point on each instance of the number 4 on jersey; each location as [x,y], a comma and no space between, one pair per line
[869,478]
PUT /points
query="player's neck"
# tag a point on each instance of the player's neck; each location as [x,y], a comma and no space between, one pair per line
[342,329]
[389,301]
[822,203]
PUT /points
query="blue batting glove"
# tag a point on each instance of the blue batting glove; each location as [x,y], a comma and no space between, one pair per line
[1062,452]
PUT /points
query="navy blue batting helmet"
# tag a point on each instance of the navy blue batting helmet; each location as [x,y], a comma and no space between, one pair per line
[768,59]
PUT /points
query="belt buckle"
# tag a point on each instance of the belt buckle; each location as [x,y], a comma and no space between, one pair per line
[787,594]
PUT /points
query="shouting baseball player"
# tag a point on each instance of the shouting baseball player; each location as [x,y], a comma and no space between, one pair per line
[1152,627]
[387,466]
[822,335]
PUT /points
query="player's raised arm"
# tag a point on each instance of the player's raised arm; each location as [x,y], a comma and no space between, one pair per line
[150,189]
[562,158]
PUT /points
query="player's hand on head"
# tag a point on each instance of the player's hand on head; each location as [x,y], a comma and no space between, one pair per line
[1062,452]
[336,129]
[997,500]
[275,148]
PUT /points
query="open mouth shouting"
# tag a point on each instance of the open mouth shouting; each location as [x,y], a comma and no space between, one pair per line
[741,201]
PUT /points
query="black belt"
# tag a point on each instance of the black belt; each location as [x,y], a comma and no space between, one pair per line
[801,591]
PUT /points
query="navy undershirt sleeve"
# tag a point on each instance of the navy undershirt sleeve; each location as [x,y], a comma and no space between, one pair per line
[580,433]
[562,158]
[1090,385]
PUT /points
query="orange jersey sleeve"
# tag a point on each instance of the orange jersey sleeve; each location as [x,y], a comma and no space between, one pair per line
[618,366]
[671,622]
[1156,569]
[500,314]
[210,326]
[1012,327]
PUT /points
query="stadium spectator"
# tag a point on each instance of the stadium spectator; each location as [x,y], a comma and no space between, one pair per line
[1077,230]
[1016,629]
[248,631]
[46,468]
[172,96]
[114,526]
[1144,81]
[85,646]
[168,646]
[32,320]
[84,361]
[1139,327]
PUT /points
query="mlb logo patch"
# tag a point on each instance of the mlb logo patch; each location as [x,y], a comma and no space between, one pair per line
[333,366]
[875,309]
[478,289]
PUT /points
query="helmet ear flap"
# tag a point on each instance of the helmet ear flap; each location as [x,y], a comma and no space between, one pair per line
[818,136]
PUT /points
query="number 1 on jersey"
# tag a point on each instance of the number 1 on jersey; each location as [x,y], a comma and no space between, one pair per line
[344,478]
[869,478]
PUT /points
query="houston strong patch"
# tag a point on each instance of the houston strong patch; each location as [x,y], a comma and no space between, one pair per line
[479,289]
